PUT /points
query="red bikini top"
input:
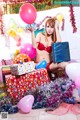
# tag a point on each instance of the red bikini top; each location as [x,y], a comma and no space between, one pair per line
[42,47]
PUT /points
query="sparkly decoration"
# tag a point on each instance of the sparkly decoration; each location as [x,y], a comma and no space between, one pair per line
[1,23]
[52,94]
[13,6]
[72,18]
[6,103]
[38,24]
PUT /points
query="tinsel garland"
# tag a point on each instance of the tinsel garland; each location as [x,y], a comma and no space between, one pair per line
[1,23]
[63,22]
[72,18]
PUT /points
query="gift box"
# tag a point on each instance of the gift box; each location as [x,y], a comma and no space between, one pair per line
[17,87]
[22,68]
[5,71]
[60,52]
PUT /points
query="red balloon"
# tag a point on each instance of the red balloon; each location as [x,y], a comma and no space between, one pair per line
[28,13]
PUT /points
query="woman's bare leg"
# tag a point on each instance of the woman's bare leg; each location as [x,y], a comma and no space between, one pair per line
[63,65]
[56,66]
[53,66]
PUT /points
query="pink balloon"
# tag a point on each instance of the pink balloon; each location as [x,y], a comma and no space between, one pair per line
[28,13]
[33,53]
[73,70]
[77,82]
[29,50]
[25,104]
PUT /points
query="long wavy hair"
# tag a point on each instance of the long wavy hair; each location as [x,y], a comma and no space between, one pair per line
[51,22]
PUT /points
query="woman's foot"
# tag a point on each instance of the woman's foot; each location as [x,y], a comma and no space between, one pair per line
[52,76]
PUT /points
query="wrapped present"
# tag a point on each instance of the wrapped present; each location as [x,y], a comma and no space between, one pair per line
[30,66]
[17,87]
[7,62]
[5,71]
[20,69]
[60,52]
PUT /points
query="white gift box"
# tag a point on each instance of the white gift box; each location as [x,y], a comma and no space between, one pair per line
[22,68]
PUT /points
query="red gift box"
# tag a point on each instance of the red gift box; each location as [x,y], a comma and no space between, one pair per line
[18,86]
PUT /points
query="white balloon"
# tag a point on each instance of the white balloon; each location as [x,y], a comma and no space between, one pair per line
[73,70]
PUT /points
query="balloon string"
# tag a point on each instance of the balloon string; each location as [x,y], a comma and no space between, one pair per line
[30,25]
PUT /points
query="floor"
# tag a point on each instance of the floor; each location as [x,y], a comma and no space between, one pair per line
[40,114]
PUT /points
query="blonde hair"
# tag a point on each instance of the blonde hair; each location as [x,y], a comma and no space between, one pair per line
[51,22]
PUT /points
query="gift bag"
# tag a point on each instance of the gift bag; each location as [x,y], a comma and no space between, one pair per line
[60,52]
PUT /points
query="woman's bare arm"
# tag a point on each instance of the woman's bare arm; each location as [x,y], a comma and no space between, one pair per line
[32,36]
[57,31]
[34,39]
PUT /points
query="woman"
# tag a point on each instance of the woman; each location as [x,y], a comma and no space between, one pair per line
[44,42]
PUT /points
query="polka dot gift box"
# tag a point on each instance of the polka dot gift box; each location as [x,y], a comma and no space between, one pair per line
[17,87]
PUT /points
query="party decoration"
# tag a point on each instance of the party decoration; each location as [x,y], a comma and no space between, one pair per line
[41,22]
[1,78]
[1,20]
[53,93]
[72,18]
[9,108]
[3,94]
[20,30]
[28,13]
[23,84]
[29,50]
[21,58]
[59,17]
[79,91]
[41,64]
[17,38]
[15,27]
[73,70]
[25,104]
[14,5]
[63,22]
[34,26]
[39,31]
[16,53]
[12,33]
